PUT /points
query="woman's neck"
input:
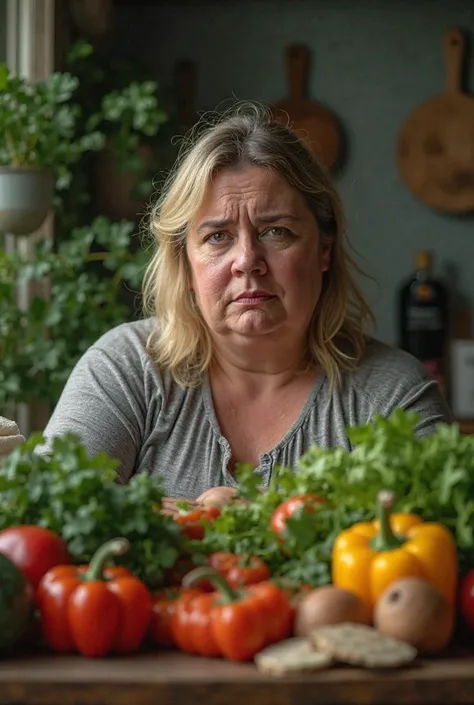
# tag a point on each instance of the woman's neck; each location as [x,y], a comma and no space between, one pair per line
[256,368]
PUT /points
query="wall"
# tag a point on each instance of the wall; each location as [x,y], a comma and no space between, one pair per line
[373,62]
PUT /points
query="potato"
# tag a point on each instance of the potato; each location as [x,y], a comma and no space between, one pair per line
[413,610]
[329,605]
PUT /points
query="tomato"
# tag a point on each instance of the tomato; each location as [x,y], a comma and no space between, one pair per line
[191,521]
[34,550]
[466,598]
[289,507]
[239,570]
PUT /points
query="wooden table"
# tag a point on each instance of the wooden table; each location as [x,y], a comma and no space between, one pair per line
[166,678]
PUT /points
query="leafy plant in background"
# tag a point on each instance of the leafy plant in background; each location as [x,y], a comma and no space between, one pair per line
[38,124]
[40,345]
[94,262]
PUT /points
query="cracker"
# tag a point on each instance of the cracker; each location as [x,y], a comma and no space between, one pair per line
[359,645]
[293,655]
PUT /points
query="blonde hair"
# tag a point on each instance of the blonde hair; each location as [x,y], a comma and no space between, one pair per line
[181,342]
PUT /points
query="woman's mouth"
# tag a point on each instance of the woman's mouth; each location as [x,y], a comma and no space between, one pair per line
[253,297]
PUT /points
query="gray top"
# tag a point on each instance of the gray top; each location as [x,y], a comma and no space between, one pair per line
[119,402]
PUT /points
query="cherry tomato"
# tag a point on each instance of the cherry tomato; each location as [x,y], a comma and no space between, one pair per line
[289,507]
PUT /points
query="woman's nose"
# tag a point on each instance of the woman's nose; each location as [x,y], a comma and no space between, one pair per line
[249,258]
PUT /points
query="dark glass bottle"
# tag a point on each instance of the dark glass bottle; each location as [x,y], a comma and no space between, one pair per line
[424,317]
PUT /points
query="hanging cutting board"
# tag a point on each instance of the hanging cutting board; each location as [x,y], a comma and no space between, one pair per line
[435,149]
[311,120]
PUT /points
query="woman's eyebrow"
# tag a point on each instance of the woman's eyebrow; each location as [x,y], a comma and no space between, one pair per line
[214,224]
[271,217]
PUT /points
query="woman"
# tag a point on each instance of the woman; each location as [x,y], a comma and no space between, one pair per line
[255,346]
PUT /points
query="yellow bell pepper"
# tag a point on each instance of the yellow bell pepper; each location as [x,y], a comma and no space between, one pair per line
[369,556]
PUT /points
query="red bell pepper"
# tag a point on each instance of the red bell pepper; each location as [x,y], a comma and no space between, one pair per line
[164,607]
[289,507]
[34,550]
[466,598]
[293,591]
[239,570]
[92,610]
[192,521]
[233,623]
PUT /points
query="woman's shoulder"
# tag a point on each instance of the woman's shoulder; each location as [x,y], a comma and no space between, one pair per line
[126,337]
[386,371]
[121,352]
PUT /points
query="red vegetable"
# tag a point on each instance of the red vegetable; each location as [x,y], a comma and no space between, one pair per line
[238,569]
[289,507]
[164,607]
[229,622]
[34,550]
[94,612]
[466,598]
[192,521]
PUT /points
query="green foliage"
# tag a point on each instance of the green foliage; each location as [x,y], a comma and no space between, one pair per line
[38,124]
[94,263]
[40,345]
[432,475]
[78,498]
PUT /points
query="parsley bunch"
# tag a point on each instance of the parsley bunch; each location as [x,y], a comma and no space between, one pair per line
[432,475]
[80,499]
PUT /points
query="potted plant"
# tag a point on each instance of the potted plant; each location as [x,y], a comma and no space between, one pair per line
[125,100]
[95,265]
[38,145]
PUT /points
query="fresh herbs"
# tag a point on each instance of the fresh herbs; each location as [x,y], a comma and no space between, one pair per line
[432,475]
[79,498]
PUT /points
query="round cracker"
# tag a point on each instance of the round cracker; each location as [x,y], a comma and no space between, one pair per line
[293,655]
[360,645]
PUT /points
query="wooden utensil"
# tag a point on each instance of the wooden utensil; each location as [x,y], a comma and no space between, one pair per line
[316,123]
[435,149]
[185,82]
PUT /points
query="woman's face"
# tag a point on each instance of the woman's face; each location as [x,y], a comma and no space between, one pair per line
[256,256]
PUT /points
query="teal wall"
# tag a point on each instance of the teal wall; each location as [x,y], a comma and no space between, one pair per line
[373,62]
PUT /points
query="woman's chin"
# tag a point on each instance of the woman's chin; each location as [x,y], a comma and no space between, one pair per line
[254,326]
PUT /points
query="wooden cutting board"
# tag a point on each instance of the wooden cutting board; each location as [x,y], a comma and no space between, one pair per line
[311,120]
[435,148]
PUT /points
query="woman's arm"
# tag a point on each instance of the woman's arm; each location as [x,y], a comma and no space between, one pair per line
[103,402]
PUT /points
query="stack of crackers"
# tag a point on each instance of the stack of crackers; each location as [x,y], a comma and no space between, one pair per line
[351,644]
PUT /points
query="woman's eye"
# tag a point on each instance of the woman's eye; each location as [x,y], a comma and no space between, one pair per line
[277,232]
[216,238]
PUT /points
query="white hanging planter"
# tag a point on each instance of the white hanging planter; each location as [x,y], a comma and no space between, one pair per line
[26,196]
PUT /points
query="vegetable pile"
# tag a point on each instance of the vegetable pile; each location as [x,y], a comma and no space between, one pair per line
[432,476]
[378,535]
[79,499]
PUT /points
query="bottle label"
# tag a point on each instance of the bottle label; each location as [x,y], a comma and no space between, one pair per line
[424,318]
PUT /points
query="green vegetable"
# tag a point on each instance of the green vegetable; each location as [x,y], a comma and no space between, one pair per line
[80,499]
[431,475]
[16,604]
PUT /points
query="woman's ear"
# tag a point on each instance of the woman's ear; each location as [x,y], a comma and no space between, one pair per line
[326,253]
